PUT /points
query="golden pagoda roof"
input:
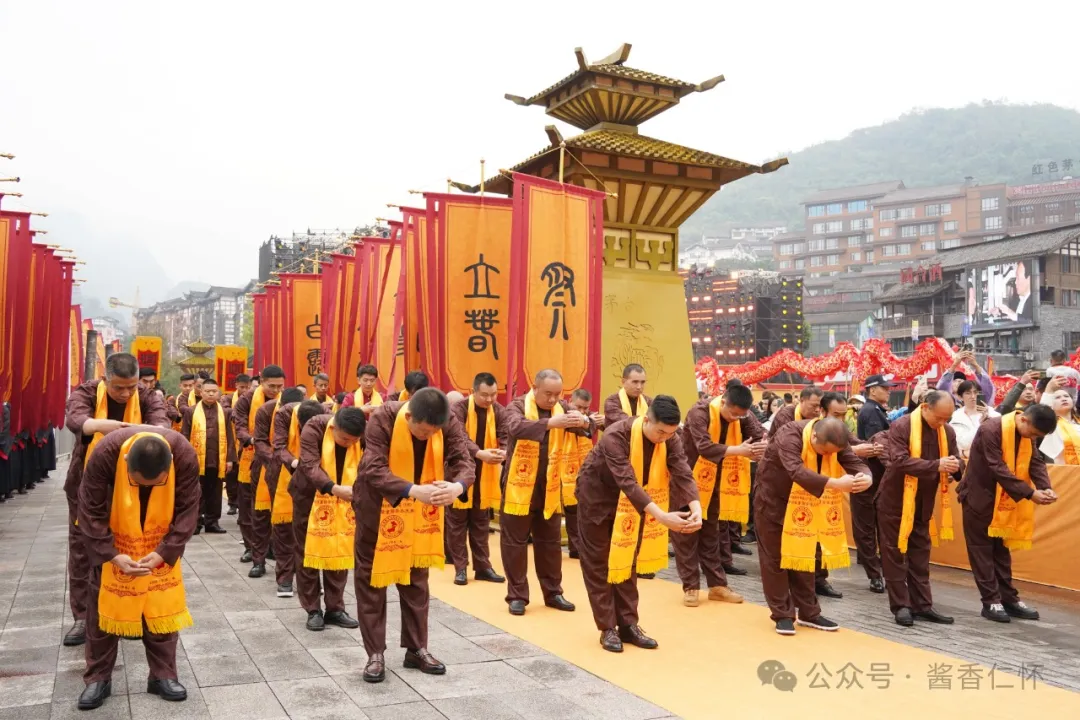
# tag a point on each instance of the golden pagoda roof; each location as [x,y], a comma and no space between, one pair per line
[197,361]
[618,71]
[199,347]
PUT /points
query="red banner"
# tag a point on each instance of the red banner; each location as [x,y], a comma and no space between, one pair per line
[260,329]
[18,256]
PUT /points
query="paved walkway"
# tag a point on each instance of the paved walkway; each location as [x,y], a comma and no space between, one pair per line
[249,656]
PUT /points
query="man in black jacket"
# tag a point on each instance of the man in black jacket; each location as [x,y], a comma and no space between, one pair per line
[872,419]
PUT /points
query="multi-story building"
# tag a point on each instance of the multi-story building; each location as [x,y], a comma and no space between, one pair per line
[302,250]
[1046,205]
[215,315]
[841,308]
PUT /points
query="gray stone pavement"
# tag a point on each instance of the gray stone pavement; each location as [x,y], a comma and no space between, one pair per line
[249,656]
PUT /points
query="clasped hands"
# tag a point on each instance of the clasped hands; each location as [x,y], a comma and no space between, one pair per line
[439,493]
[139,568]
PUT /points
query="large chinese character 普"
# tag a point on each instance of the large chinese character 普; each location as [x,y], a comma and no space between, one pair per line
[476,269]
[314,365]
[483,321]
[560,295]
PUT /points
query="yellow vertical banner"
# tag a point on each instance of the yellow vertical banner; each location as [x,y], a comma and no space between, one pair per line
[304,329]
[473,252]
[78,348]
[147,350]
[414,273]
[383,302]
[229,361]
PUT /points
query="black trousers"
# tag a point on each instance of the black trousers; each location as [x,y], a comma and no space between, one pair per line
[210,506]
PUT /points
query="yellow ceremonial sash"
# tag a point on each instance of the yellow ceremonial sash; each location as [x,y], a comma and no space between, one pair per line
[132,415]
[490,494]
[735,487]
[810,521]
[798,412]
[411,534]
[124,600]
[263,501]
[358,398]
[1013,521]
[282,510]
[1070,436]
[403,396]
[521,478]
[198,437]
[576,449]
[642,406]
[911,487]
[247,455]
[332,522]
[653,555]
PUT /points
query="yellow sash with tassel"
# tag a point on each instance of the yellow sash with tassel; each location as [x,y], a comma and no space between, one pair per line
[132,416]
[911,487]
[332,522]
[811,521]
[735,471]
[282,511]
[1070,437]
[576,449]
[1013,521]
[247,455]
[124,600]
[198,437]
[411,534]
[263,501]
[624,402]
[488,486]
[653,556]
[521,477]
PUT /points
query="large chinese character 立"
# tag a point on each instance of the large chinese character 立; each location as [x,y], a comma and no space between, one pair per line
[476,269]
[560,295]
[483,321]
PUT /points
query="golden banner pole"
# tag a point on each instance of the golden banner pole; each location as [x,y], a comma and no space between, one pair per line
[562,159]
[482,177]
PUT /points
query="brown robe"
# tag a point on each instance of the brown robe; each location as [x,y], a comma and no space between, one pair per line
[709,550]
[308,479]
[514,530]
[260,531]
[212,480]
[991,561]
[613,411]
[281,535]
[788,590]
[907,576]
[605,475]
[81,406]
[95,502]
[472,526]
[374,484]
[245,492]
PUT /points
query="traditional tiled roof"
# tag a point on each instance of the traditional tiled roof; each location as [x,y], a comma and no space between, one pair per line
[919,194]
[1010,248]
[856,192]
[846,317]
[910,291]
[617,70]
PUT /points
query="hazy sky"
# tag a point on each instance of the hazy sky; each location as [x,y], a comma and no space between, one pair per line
[198,129]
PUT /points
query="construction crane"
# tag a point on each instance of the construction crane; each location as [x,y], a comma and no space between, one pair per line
[134,306]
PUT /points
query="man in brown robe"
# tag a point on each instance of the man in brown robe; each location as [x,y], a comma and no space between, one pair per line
[148,377]
[788,591]
[211,481]
[282,460]
[187,383]
[709,551]
[427,414]
[367,376]
[121,382]
[232,480]
[581,400]
[514,530]
[273,540]
[473,523]
[322,389]
[907,575]
[148,465]
[254,526]
[606,476]
[991,560]
[633,383]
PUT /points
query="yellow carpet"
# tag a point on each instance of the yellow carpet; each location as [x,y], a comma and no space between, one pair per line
[709,657]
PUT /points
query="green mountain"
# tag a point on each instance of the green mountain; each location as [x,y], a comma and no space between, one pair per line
[991,142]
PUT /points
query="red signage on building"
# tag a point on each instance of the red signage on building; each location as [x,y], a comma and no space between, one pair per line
[1054,188]
[921,274]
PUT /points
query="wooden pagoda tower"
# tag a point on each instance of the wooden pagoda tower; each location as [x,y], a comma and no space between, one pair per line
[653,186]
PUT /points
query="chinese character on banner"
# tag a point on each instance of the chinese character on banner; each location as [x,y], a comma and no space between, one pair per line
[476,269]
[560,295]
[483,321]
[314,330]
[314,366]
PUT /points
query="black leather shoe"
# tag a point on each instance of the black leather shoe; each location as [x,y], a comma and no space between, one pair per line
[634,635]
[315,621]
[574,555]
[168,689]
[461,578]
[423,661]
[732,570]
[76,635]
[257,571]
[232,510]
[647,576]
[489,575]
[517,607]
[215,529]
[996,613]
[903,617]
[246,557]
[198,530]
[749,538]
[560,603]
[877,585]
[341,619]
[375,670]
[94,695]
[824,589]
[1021,611]
[934,616]
[737,549]
[609,640]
